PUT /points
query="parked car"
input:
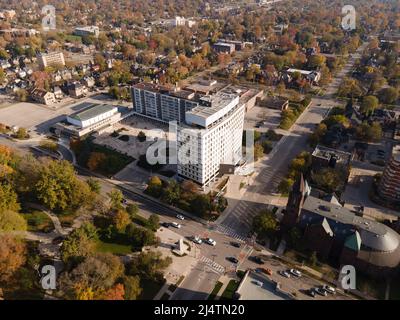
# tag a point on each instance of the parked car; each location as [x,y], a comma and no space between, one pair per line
[321,292]
[235,244]
[329,289]
[266,271]
[124,201]
[233,260]
[180,217]
[197,240]
[284,273]
[256,259]
[295,272]
[311,293]
[176,225]
[211,241]
[257,283]
[165,224]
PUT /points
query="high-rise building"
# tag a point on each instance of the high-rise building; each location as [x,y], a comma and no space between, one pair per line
[51,59]
[210,126]
[212,136]
[389,186]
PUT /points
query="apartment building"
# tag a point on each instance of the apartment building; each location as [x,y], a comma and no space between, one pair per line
[211,137]
[87,31]
[162,103]
[51,59]
[389,187]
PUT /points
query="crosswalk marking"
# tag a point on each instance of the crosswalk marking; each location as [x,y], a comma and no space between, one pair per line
[212,264]
[230,232]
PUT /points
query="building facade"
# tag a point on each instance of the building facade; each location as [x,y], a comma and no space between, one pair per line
[212,137]
[389,187]
[87,31]
[341,236]
[51,59]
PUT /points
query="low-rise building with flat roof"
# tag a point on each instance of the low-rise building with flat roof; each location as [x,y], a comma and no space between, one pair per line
[256,286]
[95,118]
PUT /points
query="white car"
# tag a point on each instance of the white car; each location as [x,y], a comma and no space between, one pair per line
[329,289]
[284,274]
[176,225]
[180,217]
[197,240]
[295,272]
[258,283]
[211,241]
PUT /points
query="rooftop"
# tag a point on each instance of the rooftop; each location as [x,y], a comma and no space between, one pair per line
[249,290]
[212,108]
[373,234]
[328,153]
[92,111]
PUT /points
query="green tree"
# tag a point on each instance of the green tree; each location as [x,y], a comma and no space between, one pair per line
[388,95]
[132,287]
[154,222]
[201,205]
[265,224]
[21,133]
[258,151]
[368,105]
[8,198]
[154,186]
[94,185]
[313,259]
[11,221]
[149,265]
[77,246]
[116,198]
[58,187]
[285,186]
[132,209]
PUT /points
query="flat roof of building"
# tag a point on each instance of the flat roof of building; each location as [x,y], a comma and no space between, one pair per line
[249,290]
[93,111]
[327,153]
[219,105]
[172,91]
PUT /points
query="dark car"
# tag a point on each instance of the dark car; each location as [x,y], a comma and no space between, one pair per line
[257,259]
[165,224]
[235,244]
[311,293]
[233,259]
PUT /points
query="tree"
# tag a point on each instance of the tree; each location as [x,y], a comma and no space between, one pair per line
[171,193]
[201,205]
[369,133]
[77,246]
[92,277]
[265,224]
[94,185]
[285,186]
[12,256]
[96,160]
[11,221]
[154,186]
[8,198]
[388,95]
[116,292]
[368,105]
[132,209]
[141,136]
[58,188]
[149,265]
[21,133]
[116,198]
[316,61]
[154,222]
[132,287]
[140,237]
[120,220]
[329,179]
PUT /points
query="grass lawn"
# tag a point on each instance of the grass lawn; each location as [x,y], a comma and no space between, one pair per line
[113,248]
[215,291]
[230,290]
[38,221]
[150,289]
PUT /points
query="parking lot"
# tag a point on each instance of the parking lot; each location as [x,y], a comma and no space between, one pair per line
[297,286]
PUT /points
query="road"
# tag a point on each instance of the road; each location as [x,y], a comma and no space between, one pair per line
[271,170]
